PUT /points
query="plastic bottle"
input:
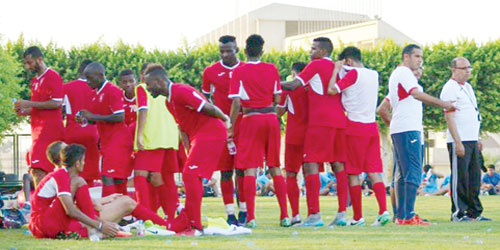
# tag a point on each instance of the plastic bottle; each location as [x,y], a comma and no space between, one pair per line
[231,147]
[83,121]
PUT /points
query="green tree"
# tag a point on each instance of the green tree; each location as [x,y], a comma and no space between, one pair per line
[10,87]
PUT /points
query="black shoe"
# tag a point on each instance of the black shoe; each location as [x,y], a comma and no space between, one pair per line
[464,218]
[242,219]
[231,220]
[482,218]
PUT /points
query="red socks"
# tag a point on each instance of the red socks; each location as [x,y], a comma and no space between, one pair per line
[121,188]
[250,187]
[171,197]
[154,202]
[342,186]
[227,189]
[292,189]
[194,194]
[142,192]
[241,188]
[83,201]
[107,190]
[312,193]
[145,214]
[379,189]
[280,189]
[355,192]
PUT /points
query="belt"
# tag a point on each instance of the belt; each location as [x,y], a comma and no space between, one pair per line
[259,110]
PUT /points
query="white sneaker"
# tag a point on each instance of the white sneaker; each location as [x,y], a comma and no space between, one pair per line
[360,222]
[382,219]
[158,231]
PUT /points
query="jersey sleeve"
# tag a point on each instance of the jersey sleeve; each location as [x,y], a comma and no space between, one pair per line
[448,93]
[348,80]
[63,184]
[309,71]
[408,81]
[55,87]
[277,85]
[190,98]
[234,85]
[283,96]
[115,102]
[206,86]
[141,98]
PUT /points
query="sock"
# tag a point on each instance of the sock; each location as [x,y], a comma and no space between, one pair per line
[280,189]
[107,190]
[154,202]
[142,192]
[143,213]
[312,193]
[379,189]
[241,188]
[121,188]
[342,187]
[167,202]
[83,201]
[242,206]
[194,194]
[179,223]
[250,188]
[227,189]
[355,192]
[292,189]
[411,197]
[173,197]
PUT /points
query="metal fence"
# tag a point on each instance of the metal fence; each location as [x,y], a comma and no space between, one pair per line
[13,151]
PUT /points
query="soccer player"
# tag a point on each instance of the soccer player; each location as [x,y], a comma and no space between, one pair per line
[255,88]
[359,89]
[156,141]
[54,211]
[77,96]
[406,97]
[201,123]
[295,104]
[115,138]
[127,82]
[216,79]
[44,108]
[324,139]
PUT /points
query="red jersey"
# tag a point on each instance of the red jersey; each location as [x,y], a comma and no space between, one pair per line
[324,110]
[296,122]
[216,80]
[109,100]
[46,87]
[185,104]
[130,108]
[77,94]
[255,83]
[54,184]
[142,99]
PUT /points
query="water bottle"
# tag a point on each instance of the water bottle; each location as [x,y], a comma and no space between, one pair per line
[231,147]
[94,235]
[141,229]
[83,121]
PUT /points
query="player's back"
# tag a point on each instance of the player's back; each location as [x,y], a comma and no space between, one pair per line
[77,96]
[360,98]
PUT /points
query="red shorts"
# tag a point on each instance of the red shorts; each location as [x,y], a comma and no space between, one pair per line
[156,160]
[364,154]
[324,144]
[226,162]
[203,157]
[88,137]
[181,157]
[117,158]
[294,157]
[39,156]
[259,139]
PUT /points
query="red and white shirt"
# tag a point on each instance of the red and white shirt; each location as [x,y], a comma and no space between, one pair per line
[359,89]
[48,86]
[142,99]
[407,111]
[55,184]
[216,80]
[296,123]
[130,108]
[255,83]
[77,94]
[324,110]
[109,100]
[185,103]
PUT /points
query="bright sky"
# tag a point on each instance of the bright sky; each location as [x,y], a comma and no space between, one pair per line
[164,24]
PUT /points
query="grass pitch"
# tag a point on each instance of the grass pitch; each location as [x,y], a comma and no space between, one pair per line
[268,235]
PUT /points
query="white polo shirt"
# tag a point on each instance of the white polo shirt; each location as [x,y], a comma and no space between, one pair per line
[466,114]
[407,112]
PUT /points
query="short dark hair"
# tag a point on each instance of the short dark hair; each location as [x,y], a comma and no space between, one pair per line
[53,152]
[491,166]
[325,43]
[298,66]
[126,72]
[71,154]
[33,51]
[427,167]
[408,49]
[83,65]
[255,44]
[156,70]
[352,53]
[144,66]
[227,39]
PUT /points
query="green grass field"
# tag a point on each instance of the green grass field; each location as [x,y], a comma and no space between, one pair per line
[268,235]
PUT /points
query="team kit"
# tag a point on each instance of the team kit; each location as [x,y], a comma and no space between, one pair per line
[149,128]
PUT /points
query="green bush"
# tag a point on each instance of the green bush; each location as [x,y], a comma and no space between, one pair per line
[186,65]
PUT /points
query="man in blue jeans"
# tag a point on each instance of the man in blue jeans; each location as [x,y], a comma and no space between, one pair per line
[406,97]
